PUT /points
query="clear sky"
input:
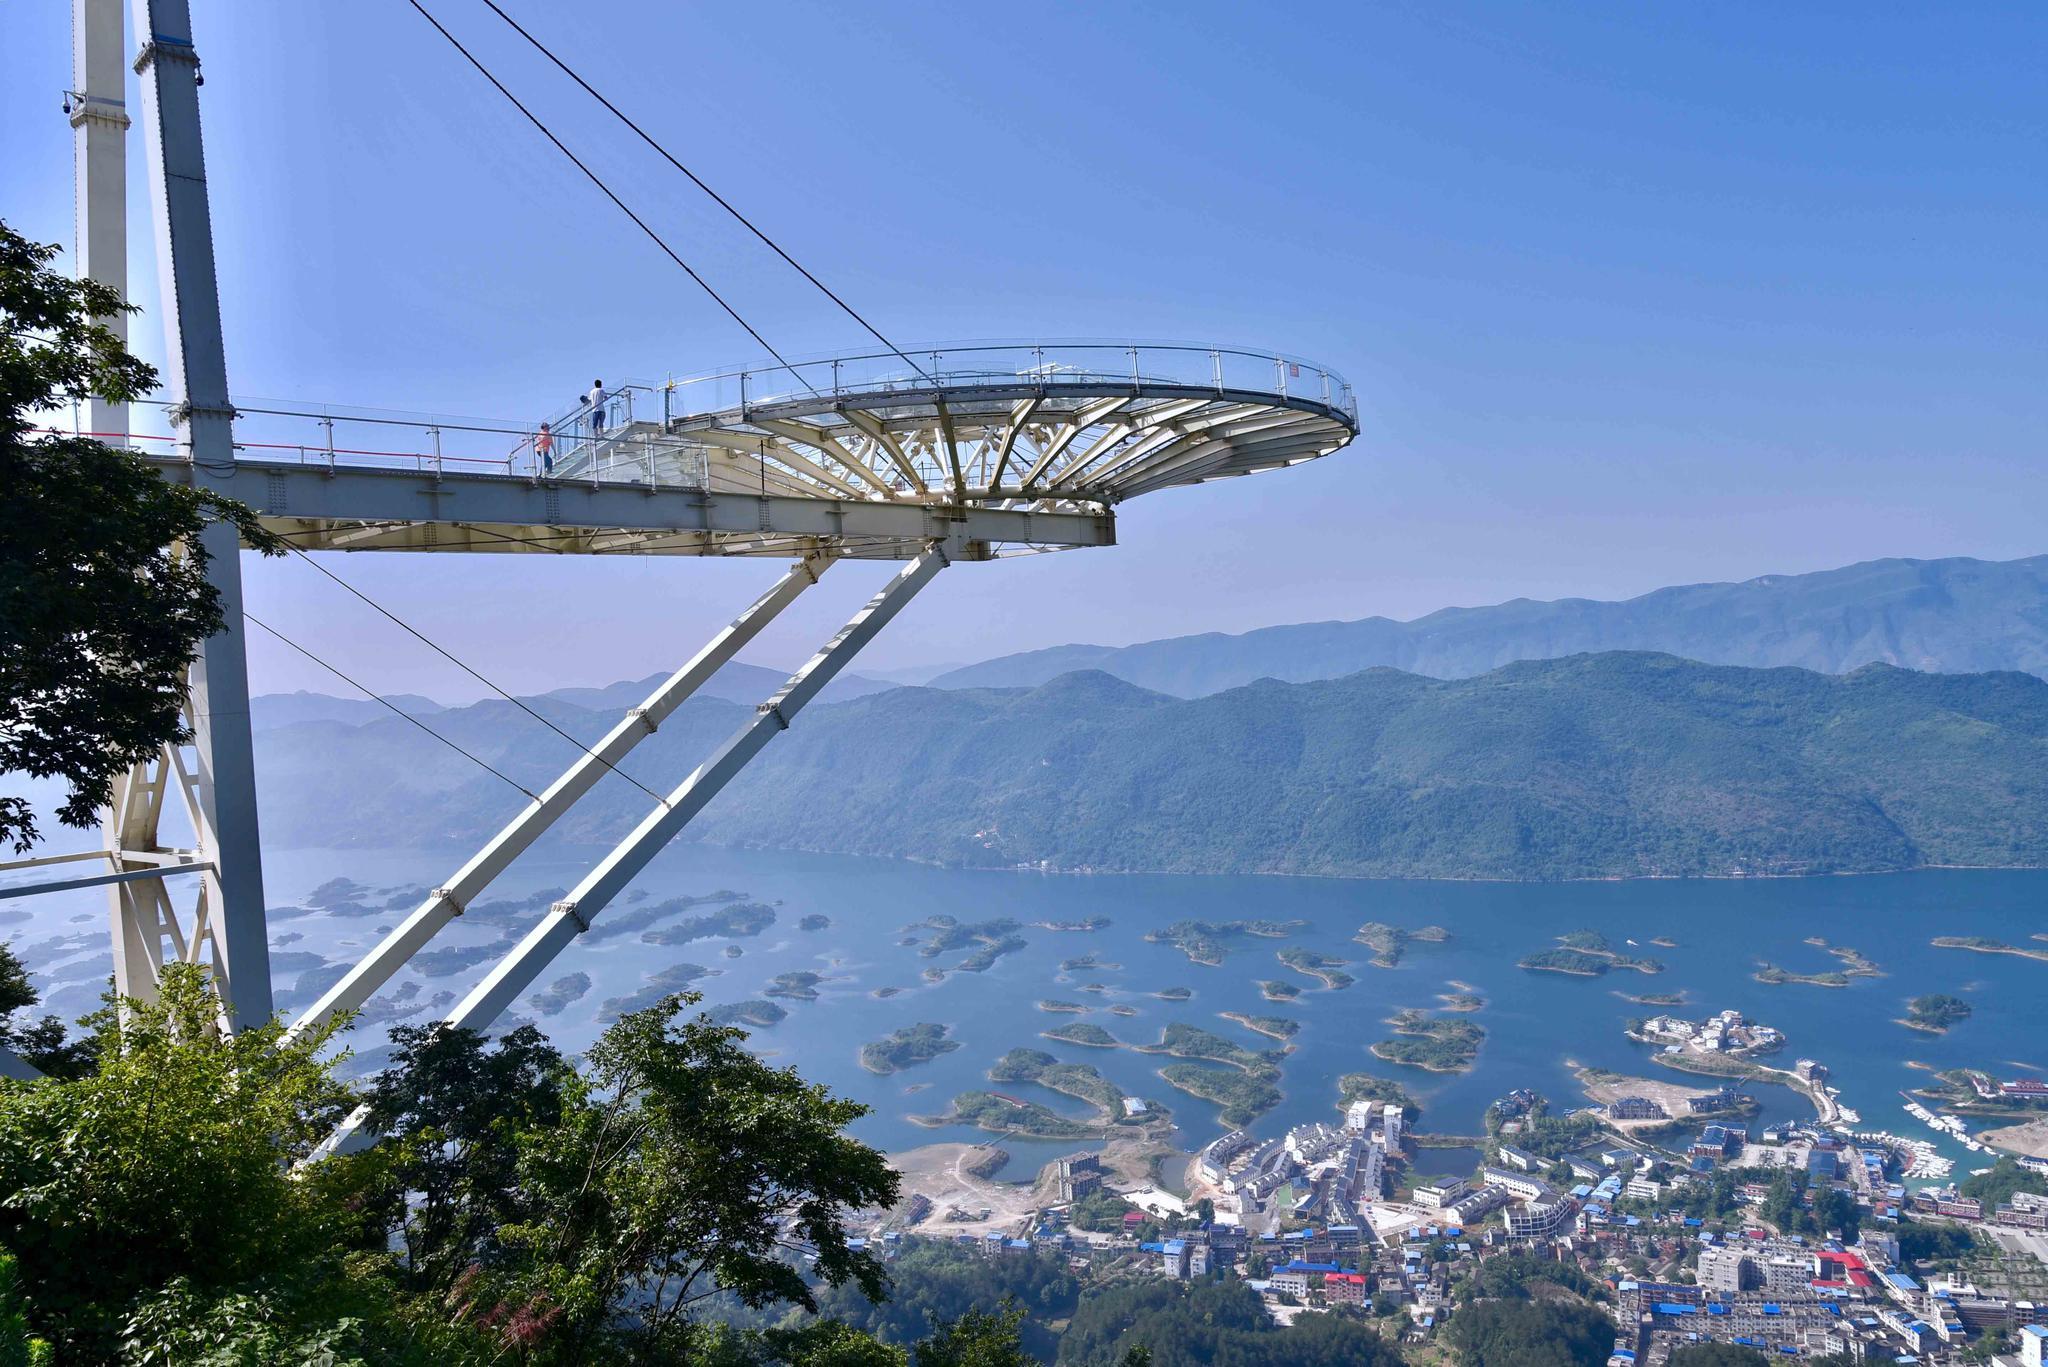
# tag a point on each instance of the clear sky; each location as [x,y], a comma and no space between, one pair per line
[1631,294]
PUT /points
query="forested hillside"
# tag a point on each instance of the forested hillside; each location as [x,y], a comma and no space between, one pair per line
[1597,765]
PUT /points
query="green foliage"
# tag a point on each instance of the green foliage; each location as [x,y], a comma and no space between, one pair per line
[1204,1323]
[1243,1097]
[168,1160]
[18,1347]
[906,1046]
[1353,1087]
[1525,1333]
[1441,1046]
[1923,1242]
[1996,1187]
[1509,1276]
[1937,1011]
[103,591]
[44,1044]
[1102,1211]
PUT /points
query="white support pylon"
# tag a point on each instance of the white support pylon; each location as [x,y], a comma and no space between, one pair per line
[449,901]
[229,921]
[99,120]
[572,915]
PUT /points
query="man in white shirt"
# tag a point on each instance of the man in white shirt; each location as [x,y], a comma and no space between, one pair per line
[596,399]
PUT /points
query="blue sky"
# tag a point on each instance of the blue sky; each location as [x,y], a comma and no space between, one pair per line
[1632,295]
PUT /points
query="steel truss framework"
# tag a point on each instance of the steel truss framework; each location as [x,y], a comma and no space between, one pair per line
[952,465]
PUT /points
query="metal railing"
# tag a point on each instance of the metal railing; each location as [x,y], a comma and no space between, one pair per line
[634,445]
[1096,364]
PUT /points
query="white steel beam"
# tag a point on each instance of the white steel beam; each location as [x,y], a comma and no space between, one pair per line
[572,916]
[449,901]
[196,376]
[99,122]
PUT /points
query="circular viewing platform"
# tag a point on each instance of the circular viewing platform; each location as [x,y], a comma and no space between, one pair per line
[1055,426]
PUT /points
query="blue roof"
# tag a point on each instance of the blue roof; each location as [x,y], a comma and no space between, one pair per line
[1673,1308]
[1174,1246]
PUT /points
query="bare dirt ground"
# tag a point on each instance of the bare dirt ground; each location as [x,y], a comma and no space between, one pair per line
[939,1172]
[2030,1139]
[1603,1088]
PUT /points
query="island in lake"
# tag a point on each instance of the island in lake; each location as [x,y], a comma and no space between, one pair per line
[1082,1082]
[1329,971]
[1276,990]
[1083,961]
[1585,954]
[1053,1004]
[1854,965]
[906,1047]
[1935,1013]
[1985,945]
[800,986]
[1202,941]
[1275,1027]
[942,933]
[754,1012]
[1437,1046]
[1389,943]
[1091,923]
[814,921]
[1174,994]
[1082,1032]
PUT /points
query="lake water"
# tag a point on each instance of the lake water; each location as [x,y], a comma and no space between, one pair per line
[1534,1021]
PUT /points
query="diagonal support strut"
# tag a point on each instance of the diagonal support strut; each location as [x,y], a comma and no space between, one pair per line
[449,901]
[572,916]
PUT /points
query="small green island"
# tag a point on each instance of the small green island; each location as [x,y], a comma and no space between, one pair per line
[1437,1046]
[1191,1041]
[1053,1004]
[1081,1032]
[1242,1097]
[1983,944]
[1389,943]
[1273,1027]
[1202,941]
[817,920]
[1174,994]
[884,993]
[1653,998]
[1085,961]
[1463,1000]
[800,986]
[1277,990]
[1009,1115]
[1121,1010]
[741,918]
[988,940]
[1089,923]
[1320,966]
[754,1012]
[1078,1080]
[1935,1013]
[1854,965]
[733,951]
[1585,954]
[906,1047]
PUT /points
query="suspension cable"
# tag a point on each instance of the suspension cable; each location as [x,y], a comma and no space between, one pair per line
[449,656]
[698,181]
[374,697]
[596,180]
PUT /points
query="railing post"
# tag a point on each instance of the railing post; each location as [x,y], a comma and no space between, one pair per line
[1216,365]
[743,396]
[1326,384]
[836,386]
[1134,370]
[435,432]
[328,423]
[1280,376]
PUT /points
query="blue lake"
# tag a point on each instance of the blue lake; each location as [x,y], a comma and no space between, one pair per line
[1535,1022]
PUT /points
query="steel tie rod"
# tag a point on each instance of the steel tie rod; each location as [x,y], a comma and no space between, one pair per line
[450,900]
[574,914]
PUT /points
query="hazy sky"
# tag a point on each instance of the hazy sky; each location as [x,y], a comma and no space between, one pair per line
[1632,295]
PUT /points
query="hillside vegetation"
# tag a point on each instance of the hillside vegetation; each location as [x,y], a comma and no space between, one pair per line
[1592,766]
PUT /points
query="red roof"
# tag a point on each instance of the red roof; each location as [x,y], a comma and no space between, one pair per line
[1134,1217]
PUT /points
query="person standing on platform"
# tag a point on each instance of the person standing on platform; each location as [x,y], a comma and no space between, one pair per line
[544,447]
[597,398]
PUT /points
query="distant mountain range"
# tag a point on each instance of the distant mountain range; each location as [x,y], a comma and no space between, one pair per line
[736,682]
[1948,616]
[1600,765]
